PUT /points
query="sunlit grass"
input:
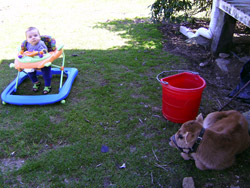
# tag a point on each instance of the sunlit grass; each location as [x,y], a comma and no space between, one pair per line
[71,22]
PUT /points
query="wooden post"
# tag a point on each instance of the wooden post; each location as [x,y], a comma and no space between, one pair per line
[223,33]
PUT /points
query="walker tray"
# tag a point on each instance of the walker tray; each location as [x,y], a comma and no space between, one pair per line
[27,62]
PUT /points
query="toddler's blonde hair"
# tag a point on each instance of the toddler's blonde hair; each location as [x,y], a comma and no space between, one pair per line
[30,29]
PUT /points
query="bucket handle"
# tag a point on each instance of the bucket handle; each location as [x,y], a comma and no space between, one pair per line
[163,82]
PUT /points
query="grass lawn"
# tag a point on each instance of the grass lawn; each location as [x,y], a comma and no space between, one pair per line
[110,132]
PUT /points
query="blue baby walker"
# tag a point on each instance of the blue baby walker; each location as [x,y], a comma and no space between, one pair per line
[38,60]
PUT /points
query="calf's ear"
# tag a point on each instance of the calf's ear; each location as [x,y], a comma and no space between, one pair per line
[187,137]
[199,118]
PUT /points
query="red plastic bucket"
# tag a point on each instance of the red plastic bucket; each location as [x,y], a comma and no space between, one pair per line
[181,96]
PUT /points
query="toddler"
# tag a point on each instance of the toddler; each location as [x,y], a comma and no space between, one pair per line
[34,43]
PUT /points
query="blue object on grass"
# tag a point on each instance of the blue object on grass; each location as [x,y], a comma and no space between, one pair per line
[104,149]
[8,96]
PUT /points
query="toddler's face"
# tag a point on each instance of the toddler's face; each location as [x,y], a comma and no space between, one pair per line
[33,37]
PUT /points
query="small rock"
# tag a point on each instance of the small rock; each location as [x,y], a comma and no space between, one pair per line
[233,186]
[99,165]
[222,64]
[13,153]
[209,185]
[156,109]
[192,41]
[223,55]
[123,166]
[202,41]
[132,149]
[244,59]
[188,182]
[66,181]
[203,64]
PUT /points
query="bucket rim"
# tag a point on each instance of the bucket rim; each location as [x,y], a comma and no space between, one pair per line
[169,86]
[179,72]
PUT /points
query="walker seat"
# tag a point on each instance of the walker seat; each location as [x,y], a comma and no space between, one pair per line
[38,60]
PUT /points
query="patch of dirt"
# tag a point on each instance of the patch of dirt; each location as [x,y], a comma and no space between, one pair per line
[219,83]
[10,164]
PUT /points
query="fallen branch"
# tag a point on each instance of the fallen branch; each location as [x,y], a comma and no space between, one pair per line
[157,165]
[155,155]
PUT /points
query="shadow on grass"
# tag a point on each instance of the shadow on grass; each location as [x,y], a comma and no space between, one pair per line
[141,32]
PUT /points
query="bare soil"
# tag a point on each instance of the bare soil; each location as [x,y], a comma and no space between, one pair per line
[219,83]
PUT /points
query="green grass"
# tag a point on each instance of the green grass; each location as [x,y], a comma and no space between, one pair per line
[115,101]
